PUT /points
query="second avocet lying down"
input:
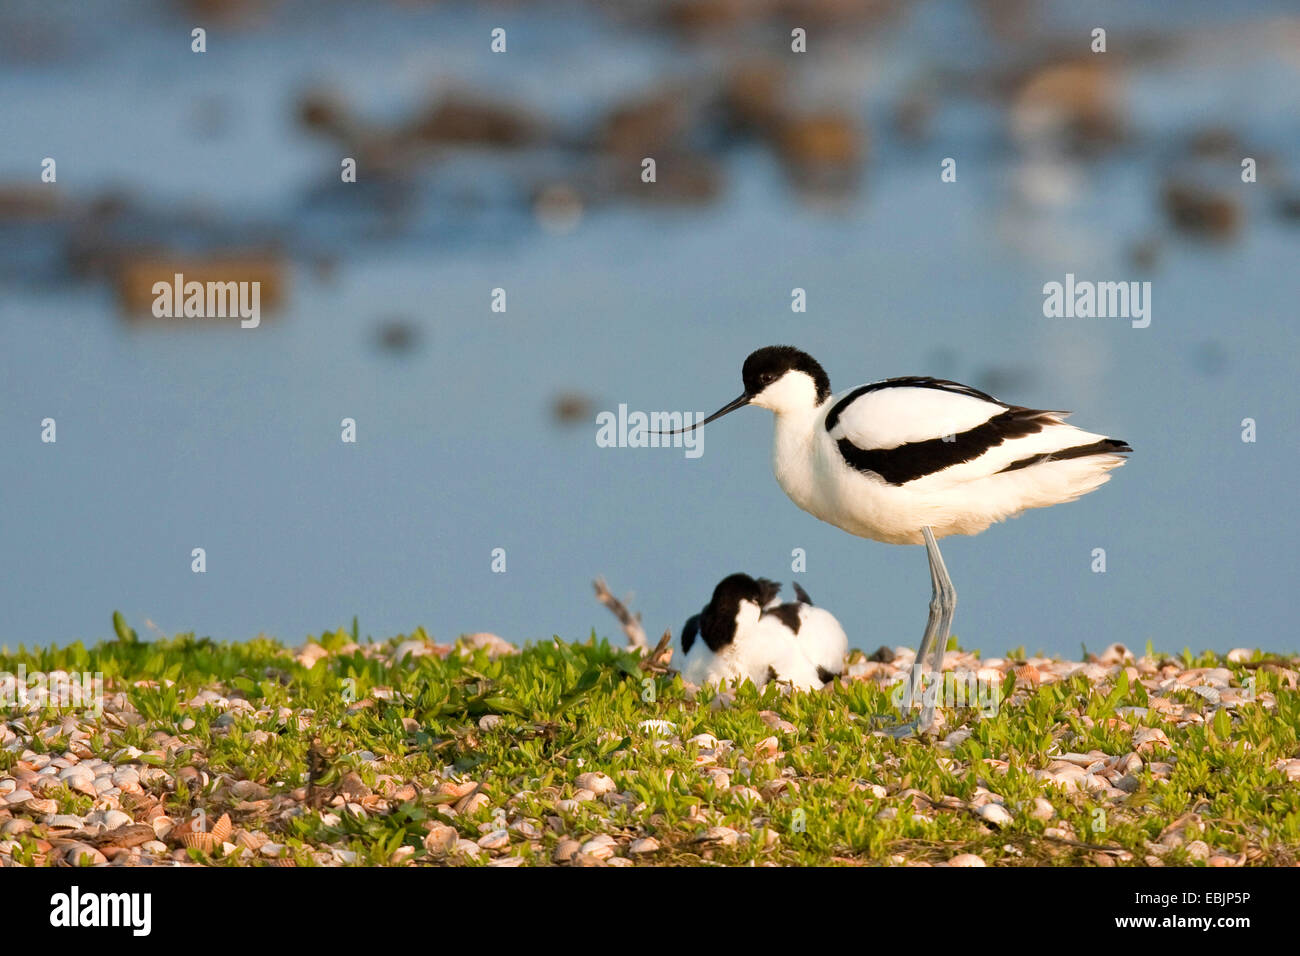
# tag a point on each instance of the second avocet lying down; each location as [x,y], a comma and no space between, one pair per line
[745,632]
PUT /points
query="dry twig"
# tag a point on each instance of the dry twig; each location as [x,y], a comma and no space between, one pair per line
[631,622]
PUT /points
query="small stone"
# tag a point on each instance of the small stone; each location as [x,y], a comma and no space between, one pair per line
[353,787]
[597,783]
[1146,739]
[402,855]
[601,847]
[467,848]
[495,840]
[441,840]
[82,854]
[496,646]
[967,859]
[309,654]
[644,845]
[490,722]
[476,803]
[995,814]
[724,835]
[412,649]
[776,722]
[566,850]
[1043,809]
[1127,783]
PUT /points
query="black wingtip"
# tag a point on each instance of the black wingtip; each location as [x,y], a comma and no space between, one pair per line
[802,595]
[767,590]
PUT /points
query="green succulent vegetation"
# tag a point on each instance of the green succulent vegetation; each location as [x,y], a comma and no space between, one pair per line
[827,791]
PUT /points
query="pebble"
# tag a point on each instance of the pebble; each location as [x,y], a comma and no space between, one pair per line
[83,854]
[441,840]
[566,850]
[1043,809]
[596,783]
[601,847]
[467,848]
[402,855]
[967,859]
[495,840]
[995,814]
[724,835]
[643,845]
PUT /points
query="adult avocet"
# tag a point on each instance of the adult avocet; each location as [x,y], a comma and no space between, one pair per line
[745,632]
[910,460]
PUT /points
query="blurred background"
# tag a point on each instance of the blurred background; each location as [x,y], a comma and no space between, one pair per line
[521,171]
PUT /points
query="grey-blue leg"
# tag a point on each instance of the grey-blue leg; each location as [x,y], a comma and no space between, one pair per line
[943,602]
[929,653]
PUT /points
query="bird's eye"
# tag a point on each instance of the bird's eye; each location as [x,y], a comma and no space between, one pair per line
[767,378]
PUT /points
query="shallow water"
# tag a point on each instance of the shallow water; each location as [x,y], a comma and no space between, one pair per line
[229,440]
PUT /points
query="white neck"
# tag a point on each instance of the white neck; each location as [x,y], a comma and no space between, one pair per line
[793,456]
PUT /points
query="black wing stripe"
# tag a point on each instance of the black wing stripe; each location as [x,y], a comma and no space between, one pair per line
[911,381]
[1107,446]
[917,459]
[787,614]
[802,595]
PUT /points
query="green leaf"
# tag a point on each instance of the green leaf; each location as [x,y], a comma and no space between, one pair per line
[124,634]
[1223,724]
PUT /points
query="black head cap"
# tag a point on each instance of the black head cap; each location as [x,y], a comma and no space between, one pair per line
[717,623]
[767,365]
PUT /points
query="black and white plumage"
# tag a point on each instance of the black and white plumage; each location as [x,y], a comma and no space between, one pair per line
[746,632]
[911,460]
